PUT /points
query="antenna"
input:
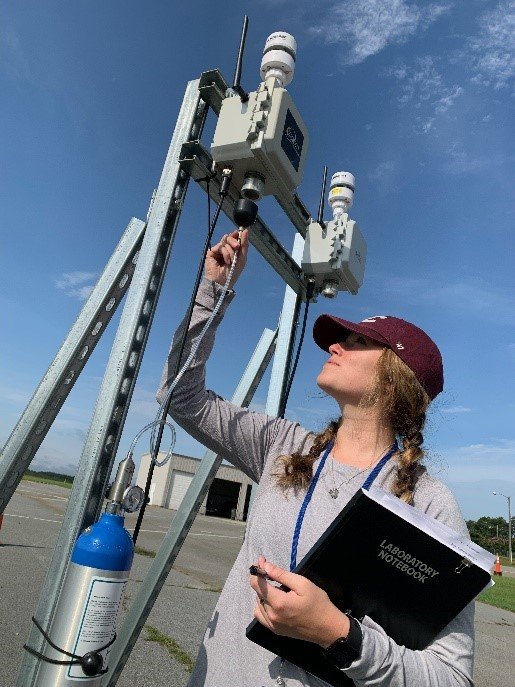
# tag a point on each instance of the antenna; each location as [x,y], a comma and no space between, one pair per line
[237,73]
[320,219]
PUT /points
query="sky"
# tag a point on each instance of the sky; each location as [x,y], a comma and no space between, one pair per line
[414,98]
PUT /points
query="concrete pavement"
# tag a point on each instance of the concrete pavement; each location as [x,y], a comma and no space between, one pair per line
[186,602]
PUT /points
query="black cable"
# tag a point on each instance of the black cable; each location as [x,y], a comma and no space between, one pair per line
[89,662]
[224,189]
[208,207]
[309,295]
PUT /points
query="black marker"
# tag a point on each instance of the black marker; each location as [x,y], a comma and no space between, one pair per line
[256,570]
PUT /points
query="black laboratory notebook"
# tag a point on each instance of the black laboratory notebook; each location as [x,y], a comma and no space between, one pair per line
[372,561]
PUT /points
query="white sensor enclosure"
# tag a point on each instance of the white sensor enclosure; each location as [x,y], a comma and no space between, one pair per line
[341,193]
[279,55]
[264,138]
[335,256]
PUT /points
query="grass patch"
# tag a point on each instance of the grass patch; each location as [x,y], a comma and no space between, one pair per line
[502,594]
[48,480]
[144,552]
[175,651]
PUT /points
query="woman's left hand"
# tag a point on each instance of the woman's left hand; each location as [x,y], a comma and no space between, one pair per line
[305,612]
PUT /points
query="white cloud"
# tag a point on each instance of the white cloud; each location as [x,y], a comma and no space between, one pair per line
[459,160]
[495,461]
[492,52]
[14,395]
[144,403]
[77,284]
[384,175]
[53,461]
[16,62]
[447,100]
[486,302]
[383,170]
[423,87]
[456,409]
[365,27]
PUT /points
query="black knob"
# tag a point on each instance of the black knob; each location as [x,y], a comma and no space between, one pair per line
[245,212]
[91,663]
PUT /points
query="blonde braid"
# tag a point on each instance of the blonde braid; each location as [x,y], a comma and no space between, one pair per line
[404,404]
[409,468]
[297,470]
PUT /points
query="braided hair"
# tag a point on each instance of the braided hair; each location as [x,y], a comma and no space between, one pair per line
[404,404]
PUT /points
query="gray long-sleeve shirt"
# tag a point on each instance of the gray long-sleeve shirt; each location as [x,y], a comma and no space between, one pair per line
[252,441]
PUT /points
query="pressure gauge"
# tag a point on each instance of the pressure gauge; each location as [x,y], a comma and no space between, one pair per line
[133,499]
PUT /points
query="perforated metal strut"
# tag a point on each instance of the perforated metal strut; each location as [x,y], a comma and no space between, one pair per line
[58,381]
[123,367]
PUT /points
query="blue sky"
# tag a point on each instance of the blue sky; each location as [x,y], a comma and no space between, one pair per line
[414,98]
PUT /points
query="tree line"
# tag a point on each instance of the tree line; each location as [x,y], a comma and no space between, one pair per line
[491,533]
[50,475]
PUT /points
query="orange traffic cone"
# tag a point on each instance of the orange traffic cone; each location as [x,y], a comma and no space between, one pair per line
[497,567]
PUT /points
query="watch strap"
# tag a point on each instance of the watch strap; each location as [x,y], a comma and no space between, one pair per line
[345,650]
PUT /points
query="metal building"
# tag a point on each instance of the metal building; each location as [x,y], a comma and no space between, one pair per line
[228,495]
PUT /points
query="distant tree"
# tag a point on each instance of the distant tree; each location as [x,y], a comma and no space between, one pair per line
[490,533]
[51,475]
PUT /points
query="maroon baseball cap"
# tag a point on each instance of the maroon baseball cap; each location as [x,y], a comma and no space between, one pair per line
[411,344]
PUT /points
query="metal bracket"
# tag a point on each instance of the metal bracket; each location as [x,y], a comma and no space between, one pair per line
[196,161]
[212,87]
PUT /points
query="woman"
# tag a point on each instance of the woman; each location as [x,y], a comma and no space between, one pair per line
[382,373]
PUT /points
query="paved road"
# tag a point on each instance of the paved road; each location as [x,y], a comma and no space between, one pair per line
[28,535]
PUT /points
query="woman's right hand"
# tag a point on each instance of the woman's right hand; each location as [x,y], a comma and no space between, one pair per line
[219,257]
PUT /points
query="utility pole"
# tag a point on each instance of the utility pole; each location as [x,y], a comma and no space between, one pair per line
[508,498]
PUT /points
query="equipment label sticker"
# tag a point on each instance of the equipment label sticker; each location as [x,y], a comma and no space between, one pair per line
[98,623]
[292,140]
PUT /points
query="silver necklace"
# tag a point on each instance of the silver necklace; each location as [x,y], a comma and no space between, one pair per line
[335,491]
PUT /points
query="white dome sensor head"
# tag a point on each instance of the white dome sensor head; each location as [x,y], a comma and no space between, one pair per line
[341,193]
[279,56]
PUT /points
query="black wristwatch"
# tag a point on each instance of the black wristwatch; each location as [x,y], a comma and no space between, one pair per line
[345,650]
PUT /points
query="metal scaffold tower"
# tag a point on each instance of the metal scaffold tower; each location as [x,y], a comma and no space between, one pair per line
[242,165]
[137,268]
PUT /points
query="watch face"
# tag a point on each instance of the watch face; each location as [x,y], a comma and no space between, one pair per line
[340,654]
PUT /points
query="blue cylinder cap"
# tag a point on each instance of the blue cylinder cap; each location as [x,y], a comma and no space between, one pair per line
[106,545]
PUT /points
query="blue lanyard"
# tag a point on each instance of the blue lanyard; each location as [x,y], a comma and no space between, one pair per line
[307,498]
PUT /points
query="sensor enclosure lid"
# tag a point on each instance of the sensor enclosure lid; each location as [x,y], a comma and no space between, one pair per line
[264,136]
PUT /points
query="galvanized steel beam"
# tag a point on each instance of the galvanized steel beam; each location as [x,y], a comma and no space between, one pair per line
[285,340]
[161,565]
[58,381]
[122,369]
[283,349]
